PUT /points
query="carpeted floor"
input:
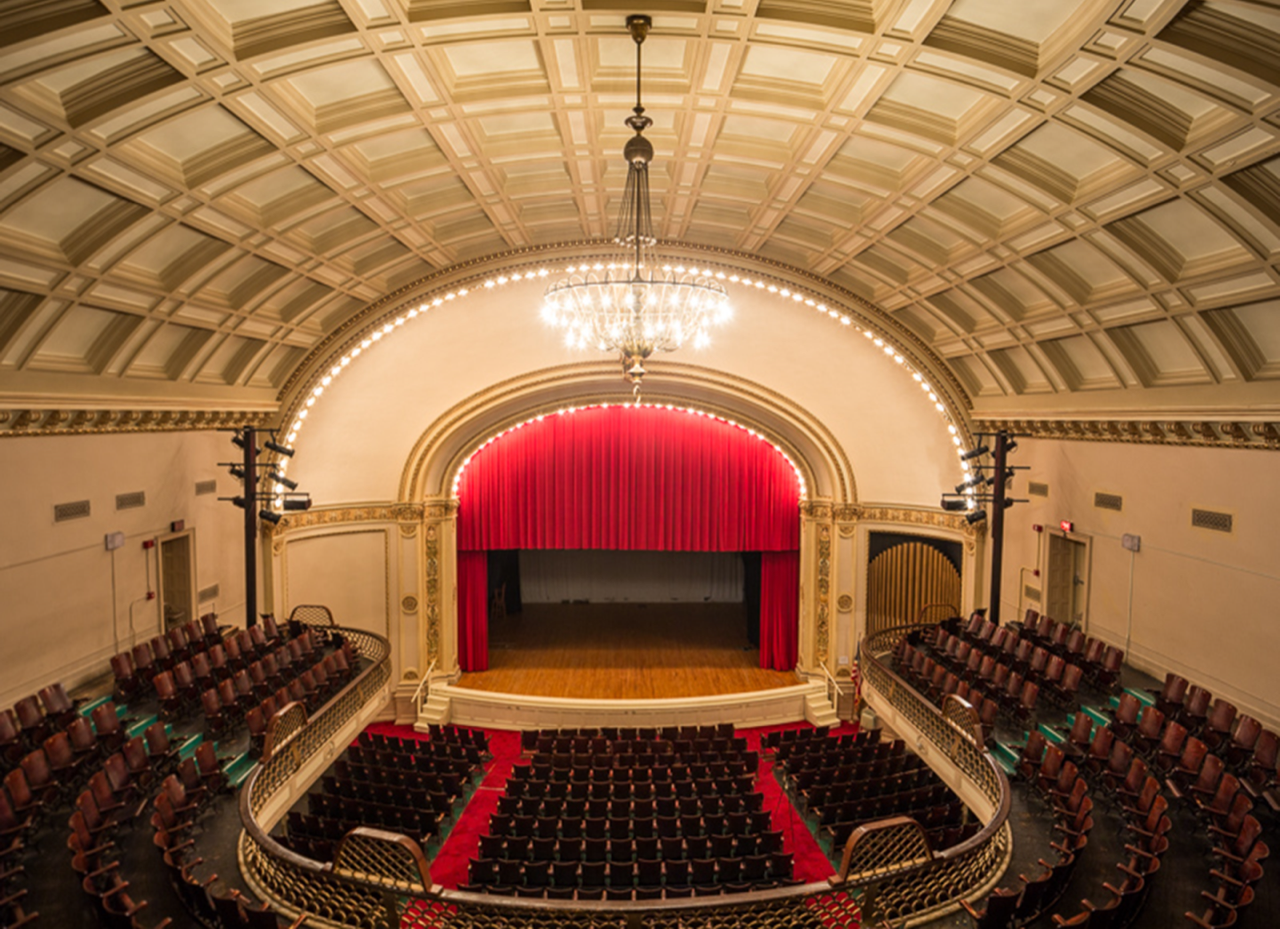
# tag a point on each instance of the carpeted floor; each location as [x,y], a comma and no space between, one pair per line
[462,842]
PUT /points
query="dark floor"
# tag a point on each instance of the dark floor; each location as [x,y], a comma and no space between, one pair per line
[1184,869]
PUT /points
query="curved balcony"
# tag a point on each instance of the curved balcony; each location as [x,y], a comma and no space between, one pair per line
[381,878]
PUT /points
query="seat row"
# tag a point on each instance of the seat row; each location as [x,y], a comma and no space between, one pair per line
[620,805]
[629,848]
[853,803]
[702,822]
[636,768]
[1100,662]
[839,770]
[566,740]
[223,650]
[437,735]
[644,879]
[865,748]
[432,756]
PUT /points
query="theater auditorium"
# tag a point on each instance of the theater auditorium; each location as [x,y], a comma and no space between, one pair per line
[705,463]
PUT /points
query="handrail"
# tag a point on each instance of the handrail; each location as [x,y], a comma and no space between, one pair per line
[381,880]
[425,682]
[832,678]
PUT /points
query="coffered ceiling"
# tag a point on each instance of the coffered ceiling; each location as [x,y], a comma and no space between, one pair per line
[1074,203]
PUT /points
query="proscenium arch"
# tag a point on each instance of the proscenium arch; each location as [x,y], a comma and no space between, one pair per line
[453,437]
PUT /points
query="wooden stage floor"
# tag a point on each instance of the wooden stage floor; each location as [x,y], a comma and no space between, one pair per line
[624,651]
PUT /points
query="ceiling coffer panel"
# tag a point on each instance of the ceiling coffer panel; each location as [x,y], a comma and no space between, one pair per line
[1067,202]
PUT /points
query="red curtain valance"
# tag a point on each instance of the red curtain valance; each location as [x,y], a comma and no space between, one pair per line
[629,478]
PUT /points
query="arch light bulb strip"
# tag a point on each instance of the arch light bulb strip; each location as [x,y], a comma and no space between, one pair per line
[675,408]
[783,292]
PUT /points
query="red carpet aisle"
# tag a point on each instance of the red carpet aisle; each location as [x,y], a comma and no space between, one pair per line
[449,866]
[811,864]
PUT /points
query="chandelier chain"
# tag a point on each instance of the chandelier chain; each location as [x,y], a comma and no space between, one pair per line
[636,305]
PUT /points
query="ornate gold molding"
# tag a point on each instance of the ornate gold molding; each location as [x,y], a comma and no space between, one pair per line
[936,519]
[434,588]
[46,422]
[824,591]
[1202,433]
[408,514]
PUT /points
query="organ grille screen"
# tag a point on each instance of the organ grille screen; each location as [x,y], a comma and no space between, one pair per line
[1037,489]
[206,487]
[905,579]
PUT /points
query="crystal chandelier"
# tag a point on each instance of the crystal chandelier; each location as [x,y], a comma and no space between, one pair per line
[634,304]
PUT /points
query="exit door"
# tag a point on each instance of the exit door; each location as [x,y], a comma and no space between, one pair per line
[1067,594]
[177,580]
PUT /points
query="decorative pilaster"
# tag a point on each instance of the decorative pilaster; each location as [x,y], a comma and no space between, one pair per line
[816,531]
[440,603]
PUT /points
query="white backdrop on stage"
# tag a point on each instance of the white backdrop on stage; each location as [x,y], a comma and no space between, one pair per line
[557,576]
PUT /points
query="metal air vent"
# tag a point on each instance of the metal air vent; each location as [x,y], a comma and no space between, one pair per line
[131,501]
[206,487]
[1037,489]
[1108,502]
[64,511]
[1209,519]
[208,593]
[1031,593]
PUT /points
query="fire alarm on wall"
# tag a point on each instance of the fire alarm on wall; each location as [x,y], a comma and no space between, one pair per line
[148,543]
[1067,525]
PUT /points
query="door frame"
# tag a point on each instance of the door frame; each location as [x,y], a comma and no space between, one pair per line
[190,535]
[1082,600]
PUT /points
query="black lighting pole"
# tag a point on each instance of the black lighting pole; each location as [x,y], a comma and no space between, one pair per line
[1000,457]
[250,465]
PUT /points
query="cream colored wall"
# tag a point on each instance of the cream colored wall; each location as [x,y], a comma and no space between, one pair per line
[360,433]
[67,603]
[348,571]
[1195,601]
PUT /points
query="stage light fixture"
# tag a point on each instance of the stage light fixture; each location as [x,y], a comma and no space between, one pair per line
[955,505]
[237,440]
[976,516]
[269,516]
[296,504]
[237,472]
[281,479]
[971,482]
[279,449]
[238,501]
[975,453]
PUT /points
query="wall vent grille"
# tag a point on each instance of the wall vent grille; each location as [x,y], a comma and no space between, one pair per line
[1209,519]
[1108,502]
[1031,593]
[131,501]
[208,593]
[206,487]
[1037,489]
[64,511]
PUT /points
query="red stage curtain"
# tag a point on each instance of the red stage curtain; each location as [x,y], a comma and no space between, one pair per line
[473,611]
[629,478]
[779,609]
